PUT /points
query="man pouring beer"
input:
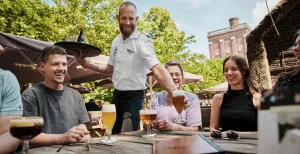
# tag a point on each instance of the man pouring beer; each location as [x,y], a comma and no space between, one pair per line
[131,55]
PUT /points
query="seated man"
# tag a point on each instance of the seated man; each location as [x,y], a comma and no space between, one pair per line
[166,112]
[10,106]
[61,107]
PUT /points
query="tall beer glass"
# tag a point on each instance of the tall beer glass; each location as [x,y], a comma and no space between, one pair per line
[178,101]
[147,117]
[109,118]
[26,128]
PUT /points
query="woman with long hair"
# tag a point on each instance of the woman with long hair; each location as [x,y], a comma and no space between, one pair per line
[237,108]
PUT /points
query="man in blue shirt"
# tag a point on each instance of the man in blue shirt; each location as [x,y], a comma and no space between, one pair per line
[10,106]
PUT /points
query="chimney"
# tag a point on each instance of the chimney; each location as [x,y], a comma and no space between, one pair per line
[233,22]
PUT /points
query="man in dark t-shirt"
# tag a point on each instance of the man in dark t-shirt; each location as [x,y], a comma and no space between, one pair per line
[61,107]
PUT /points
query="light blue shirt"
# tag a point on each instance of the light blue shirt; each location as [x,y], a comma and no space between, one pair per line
[10,97]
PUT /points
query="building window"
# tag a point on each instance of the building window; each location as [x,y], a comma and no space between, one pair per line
[240,48]
[228,50]
[217,52]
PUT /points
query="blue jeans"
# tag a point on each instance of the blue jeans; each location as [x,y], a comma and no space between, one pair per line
[128,106]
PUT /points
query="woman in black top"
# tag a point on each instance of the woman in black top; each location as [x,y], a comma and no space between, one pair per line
[293,77]
[237,108]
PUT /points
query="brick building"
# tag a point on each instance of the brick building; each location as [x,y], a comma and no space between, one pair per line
[229,41]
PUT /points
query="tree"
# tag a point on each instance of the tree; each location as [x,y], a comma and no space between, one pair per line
[171,43]
[36,19]
[211,70]
[167,39]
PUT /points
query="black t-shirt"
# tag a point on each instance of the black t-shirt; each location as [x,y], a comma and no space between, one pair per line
[238,112]
[61,110]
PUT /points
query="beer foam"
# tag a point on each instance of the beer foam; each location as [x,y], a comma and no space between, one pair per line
[177,93]
[109,108]
[27,122]
[146,112]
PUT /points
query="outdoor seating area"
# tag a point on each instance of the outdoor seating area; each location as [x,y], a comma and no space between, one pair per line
[126,77]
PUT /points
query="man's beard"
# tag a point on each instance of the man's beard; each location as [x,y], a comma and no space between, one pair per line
[126,32]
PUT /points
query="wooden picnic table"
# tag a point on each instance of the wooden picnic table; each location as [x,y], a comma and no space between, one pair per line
[133,142]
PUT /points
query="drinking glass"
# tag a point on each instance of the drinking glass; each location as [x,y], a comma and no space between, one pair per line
[26,128]
[178,102]
[147,117]
[109,118]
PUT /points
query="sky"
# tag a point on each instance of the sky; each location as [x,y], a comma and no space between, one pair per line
[198,17]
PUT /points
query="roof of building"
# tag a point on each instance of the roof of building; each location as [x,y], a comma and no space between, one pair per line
[286,17]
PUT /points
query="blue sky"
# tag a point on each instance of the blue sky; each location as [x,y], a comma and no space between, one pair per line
[197,17]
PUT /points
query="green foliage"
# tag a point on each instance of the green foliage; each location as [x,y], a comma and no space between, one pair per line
[36,19]
[167,39]
[171,43]
[99,93]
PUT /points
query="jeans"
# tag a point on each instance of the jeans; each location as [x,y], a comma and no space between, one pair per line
[128,105]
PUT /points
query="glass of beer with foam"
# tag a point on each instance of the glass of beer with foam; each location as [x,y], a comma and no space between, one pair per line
[147,117]
[26,128]
[178,102]
[109,118]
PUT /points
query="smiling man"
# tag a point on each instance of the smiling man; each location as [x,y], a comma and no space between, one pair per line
[131,55]
[61,107]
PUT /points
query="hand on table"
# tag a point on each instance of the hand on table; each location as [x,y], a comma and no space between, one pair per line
[75,134]
[164,125]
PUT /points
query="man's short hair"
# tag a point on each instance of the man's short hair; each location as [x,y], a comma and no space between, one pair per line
[127,3]
[52,50]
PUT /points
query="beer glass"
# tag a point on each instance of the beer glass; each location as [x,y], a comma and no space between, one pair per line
[178,102]
[26,128]
[147,117]
[109,118]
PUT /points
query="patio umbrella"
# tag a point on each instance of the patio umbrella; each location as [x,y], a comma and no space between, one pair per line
[22,57]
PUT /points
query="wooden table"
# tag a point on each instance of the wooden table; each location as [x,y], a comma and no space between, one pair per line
[132,142]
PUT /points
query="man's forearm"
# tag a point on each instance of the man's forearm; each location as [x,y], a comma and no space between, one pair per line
[52,139]
[184,128]
[46,139]
[103,69]
[8,143]
[164,78]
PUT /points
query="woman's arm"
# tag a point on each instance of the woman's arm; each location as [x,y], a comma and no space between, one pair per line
[215,112]
[257,100]
[164,125]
